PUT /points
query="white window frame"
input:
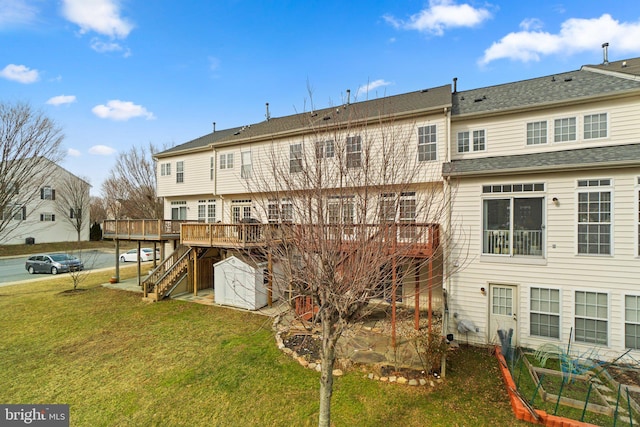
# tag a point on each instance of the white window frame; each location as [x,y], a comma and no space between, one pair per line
[47,217]
[212,168]
[545,307]
[179,210]
[587,134]
[14,212]
[564,130]
[180,172]
[537,133]
[632,318]
[427,143]
[279,212]
[165,169]
[226,161]
[325,149]
[354,151]
[580,313]
[207,211]
[471,141]
[600,186]
[48,193]
[246,169]
[295,157]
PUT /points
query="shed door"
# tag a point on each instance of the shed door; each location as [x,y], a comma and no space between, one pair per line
[503,312]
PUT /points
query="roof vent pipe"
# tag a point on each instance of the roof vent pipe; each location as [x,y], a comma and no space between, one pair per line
[214,127]
[455,85]
[268,116]
[605,52]
[348,96]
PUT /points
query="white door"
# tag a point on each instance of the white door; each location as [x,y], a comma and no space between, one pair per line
[503,312]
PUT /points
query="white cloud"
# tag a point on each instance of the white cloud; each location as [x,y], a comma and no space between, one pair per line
[61,99]
[441,15]
[20,73]
[371,86]
[101,150]
[576,35]
[73,152]
[16,12]
[531,24]
[100,16]
[121,110]
[214,63]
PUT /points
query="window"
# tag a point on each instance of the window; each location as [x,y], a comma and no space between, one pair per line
[564,129]
[295,158]
[325,149]
[47,193]
[632,321]
[354,151]
[179,172]
[469,141]
[240,209]
[47,217]
[427,143]
[544,316]
[207,211]
[226,161]
[245,171]
[212,168]
[594,217]
[179,210]
[388,207]
[512,225]
[340,213]
[165,169]
[279,212]
[591,317]
[14,212]
[75,213]
[595,126]
[408,214]
[536,133]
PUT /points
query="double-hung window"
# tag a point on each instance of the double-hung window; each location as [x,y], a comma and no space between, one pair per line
[325,149]
[537,133]
[341,215]
[212,168]
[594,217]
[14,212]
[179,172]
[47,193]
[595,126]
[354,151]
[408,213]
[544,313]
[226,161]
[165,169]
[564,129]
[245,171]
[512,218]
[591,317]
[427,143]
[632,321]
[295,158]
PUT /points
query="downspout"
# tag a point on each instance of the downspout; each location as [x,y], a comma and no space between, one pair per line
[446,285]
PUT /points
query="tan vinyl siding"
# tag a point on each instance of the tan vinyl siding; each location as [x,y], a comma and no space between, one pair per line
[196,179]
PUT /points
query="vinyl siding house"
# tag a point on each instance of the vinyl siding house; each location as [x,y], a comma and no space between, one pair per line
[46,216]
[547,178]
[537,183]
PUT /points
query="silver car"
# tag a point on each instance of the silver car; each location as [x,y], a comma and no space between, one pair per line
[53,263]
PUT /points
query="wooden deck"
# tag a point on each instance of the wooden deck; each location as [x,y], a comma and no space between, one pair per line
[424,239]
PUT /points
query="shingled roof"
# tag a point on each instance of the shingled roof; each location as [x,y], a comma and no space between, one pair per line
[392,106]
[557,88]
[593,157]
[629,68]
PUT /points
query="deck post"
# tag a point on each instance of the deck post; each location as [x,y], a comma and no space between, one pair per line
[117,260]
[416,310]
[139,266]
[269,280]
[393,289]
[195,272]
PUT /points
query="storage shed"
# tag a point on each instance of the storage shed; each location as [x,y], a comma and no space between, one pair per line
[240,283]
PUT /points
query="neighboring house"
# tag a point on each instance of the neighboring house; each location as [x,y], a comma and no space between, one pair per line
[50,213]
[542,232]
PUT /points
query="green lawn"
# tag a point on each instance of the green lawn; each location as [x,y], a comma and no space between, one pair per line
[118,361]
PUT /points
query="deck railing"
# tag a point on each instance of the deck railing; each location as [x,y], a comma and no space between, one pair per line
[151,229]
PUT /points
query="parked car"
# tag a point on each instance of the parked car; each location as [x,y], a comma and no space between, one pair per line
[53,263]
[146,254]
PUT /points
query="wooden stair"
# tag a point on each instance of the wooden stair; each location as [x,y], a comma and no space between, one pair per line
[167,275]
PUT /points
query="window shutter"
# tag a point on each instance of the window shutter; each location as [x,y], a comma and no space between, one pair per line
[53,217]
[71,213]
[41,217]
[42,194]
[53,194]
[24,212]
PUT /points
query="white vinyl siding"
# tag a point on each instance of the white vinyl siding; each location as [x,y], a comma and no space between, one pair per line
[537,133]
[544,314]
[325,149]
[591,317]
[427,143]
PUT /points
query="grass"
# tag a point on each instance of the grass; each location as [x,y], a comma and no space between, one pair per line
[117,360]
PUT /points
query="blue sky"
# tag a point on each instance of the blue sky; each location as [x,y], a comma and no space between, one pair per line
[120,73]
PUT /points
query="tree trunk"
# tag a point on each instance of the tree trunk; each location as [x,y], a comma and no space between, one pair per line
[328,359]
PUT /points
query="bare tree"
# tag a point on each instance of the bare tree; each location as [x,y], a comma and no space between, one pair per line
[30,145]
[73,201]
[98,209]
[130,189]
[357,211]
